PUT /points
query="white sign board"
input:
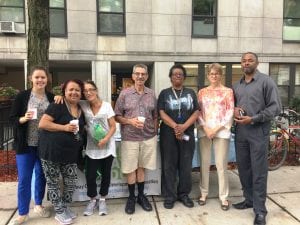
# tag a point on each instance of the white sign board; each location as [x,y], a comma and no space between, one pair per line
[118,187]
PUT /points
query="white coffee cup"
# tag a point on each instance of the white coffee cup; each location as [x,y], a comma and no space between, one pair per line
[75,122]
[34,113]
[141,118]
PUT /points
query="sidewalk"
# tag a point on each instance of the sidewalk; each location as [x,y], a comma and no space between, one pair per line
[282,203]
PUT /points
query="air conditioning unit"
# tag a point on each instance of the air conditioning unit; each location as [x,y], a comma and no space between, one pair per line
[7,27]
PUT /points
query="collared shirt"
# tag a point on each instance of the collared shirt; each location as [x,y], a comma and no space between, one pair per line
[259,98]
[131,104]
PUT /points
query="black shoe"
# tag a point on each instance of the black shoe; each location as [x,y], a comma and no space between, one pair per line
[168,204]
[242,205]
[130,205]
[260,219]
[144,203]
[186,201]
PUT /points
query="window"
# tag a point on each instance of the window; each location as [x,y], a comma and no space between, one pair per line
[204,18]
[191,80]
[57,17]
[287,78]
[291,20]
[111,17]
[197,74]
[12,10]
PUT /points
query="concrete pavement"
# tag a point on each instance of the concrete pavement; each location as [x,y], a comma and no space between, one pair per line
[282,203]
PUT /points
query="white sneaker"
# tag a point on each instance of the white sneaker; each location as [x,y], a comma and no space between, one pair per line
[72,214]
[89,210]
[63,218]
[41,211]
[102,208]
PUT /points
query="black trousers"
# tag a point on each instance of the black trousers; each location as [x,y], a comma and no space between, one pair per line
[251,143]
[176,161]
[104,167]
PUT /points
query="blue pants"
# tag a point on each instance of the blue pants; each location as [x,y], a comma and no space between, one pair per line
[26,163]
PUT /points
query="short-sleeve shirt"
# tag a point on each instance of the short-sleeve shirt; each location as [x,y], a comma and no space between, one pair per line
[101,117]
[179,110]
[60,146]
[131,104]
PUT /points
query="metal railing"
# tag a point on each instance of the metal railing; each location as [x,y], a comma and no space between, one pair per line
[8,168]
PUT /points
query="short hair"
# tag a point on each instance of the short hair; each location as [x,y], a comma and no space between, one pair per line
[33,69]
[251,53]
[65,84]
[177,66]
[215,66]
[140,65]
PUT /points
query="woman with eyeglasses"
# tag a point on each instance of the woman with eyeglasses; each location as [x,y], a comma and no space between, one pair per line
[61,141]
[178,108]
[100,150]
[215,120]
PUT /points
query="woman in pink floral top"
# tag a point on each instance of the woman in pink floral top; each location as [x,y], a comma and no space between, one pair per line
[217,104]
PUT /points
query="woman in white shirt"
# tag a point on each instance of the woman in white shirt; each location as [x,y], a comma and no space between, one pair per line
[100,149]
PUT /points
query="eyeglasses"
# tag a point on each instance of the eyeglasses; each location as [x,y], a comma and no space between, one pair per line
[214,74]
[140,74]
[89,90]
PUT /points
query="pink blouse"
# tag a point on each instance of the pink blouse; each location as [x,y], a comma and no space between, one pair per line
[217,106]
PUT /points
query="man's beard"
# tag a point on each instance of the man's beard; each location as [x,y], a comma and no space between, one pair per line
[249,70]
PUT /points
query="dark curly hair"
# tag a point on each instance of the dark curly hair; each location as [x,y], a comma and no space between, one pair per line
[77,81]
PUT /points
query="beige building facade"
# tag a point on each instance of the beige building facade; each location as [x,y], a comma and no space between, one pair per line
[160,33]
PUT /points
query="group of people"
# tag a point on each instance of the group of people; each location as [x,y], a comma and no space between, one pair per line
[49,137]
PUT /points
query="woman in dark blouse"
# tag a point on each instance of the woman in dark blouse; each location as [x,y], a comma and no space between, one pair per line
[60,145]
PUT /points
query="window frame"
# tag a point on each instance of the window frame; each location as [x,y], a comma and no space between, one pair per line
[291,86]
[65,20]
[19,7]
[197,17]
[111,13]
[283,25]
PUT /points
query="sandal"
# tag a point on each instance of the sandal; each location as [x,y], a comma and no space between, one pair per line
[19,220]
[225,205]
[202,201]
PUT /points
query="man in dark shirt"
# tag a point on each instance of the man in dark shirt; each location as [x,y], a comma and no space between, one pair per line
[136,112]
[257,102]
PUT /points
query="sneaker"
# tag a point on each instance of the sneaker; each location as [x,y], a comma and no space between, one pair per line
[130,205]
[72,214]
[41,211]
[102,208]
[19,220]
[63,218]
[89,210]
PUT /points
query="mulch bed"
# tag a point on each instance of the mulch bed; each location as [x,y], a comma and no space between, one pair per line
[8,168]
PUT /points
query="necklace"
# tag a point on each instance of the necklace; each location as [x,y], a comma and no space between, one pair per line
[179,116]
[70,110]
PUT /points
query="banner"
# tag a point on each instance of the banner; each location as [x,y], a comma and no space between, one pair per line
[118,187]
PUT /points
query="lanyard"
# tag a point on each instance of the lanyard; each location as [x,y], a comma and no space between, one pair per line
[179,116]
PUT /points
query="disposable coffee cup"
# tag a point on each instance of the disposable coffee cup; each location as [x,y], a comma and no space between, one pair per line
[141,118]
[75,122]
[34,113]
